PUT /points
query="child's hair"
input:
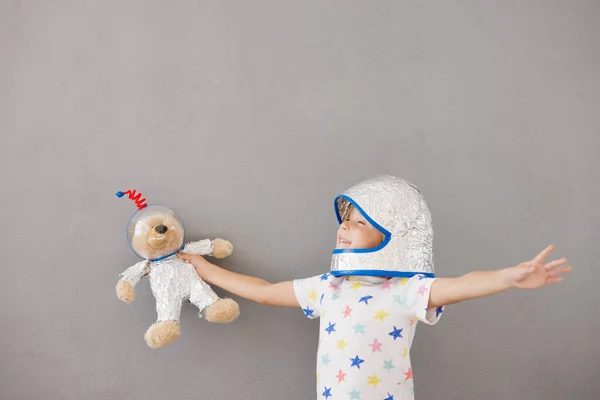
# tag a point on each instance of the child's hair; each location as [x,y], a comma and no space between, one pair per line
[346,211]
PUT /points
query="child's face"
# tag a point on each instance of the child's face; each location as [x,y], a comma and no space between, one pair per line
[356,232]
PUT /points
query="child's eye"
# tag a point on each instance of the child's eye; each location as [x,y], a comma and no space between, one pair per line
[361,223]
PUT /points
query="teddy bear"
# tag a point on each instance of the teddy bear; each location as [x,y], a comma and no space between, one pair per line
[156,234]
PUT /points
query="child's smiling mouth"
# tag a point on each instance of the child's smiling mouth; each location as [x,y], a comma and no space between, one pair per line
[343,241]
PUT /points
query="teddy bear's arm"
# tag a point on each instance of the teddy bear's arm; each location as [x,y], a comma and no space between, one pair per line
[200,248]
[133,274]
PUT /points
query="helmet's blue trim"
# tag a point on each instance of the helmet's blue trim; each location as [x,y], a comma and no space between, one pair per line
[168,255]
[387,234]
[376,272]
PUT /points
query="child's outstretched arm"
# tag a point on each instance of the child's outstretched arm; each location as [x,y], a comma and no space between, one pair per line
[248,287]
[527,275]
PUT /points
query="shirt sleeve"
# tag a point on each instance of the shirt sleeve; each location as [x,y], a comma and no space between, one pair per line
[414,293]
[309,292]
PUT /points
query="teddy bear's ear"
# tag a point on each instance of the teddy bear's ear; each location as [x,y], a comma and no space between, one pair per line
[172,220]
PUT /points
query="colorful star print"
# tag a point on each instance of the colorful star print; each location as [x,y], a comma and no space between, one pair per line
[376,345]
[341,344]
[347,311]
[356,361]
[341,376]
[402,302]
[380,315]
[330,328]
[358,328]
[388,365]
[396,333]
[364,341]
[373,380]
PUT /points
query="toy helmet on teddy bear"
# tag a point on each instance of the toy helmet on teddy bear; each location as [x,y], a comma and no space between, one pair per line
[154,232]
[397,209]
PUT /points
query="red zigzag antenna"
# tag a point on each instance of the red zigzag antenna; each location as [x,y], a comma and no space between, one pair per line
[133,195]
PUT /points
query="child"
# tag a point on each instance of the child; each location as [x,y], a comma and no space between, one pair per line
[381,283]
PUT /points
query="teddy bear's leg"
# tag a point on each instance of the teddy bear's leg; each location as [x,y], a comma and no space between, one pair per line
[222,311]
[162,333]
[211,306]
[166,329]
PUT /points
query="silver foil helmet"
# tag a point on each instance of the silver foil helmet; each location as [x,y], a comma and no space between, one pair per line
[398,210]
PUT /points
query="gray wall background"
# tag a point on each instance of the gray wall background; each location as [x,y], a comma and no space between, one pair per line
[248,117]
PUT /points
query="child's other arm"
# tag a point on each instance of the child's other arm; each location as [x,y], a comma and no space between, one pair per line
[249,287]
[527,275]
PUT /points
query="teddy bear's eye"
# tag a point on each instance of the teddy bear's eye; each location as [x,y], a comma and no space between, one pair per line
[160,229]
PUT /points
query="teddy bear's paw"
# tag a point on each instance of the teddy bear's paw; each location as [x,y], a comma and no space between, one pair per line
[125,291]
[162,333]
[223,311]
[222,248]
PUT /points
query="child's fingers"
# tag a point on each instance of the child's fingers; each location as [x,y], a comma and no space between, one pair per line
[543,254]
[557,271]
[555,263]
[555,279]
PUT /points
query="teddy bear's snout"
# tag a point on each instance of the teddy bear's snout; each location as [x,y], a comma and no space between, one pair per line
[160,229]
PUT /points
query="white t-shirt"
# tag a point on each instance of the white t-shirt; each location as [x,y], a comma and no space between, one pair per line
[366,330]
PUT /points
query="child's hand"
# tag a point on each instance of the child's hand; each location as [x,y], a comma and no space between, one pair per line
[535,274]
[199,262]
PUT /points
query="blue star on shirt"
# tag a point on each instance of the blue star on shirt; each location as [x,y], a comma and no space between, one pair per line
[356,362]
[365,299]
[438,311]
[390,397]
[327,392]
[421,277]
[324,277]
[396,333]
[308,312]
[330,328]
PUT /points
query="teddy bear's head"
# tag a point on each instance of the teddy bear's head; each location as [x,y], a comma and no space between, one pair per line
[155,232]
